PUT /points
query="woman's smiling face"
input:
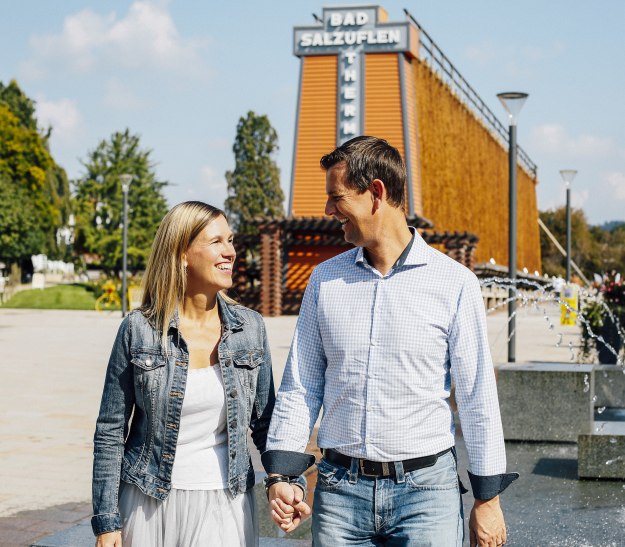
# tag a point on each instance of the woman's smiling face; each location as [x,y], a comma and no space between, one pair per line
[210,257]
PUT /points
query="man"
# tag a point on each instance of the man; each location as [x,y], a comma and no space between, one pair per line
[382,329]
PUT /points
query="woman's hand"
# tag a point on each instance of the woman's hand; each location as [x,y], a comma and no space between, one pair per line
[109,539]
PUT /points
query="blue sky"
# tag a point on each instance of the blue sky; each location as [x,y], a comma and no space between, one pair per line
[181,73]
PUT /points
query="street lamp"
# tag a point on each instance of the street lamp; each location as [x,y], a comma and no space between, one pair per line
[125,180]
[567,176]
[512,101]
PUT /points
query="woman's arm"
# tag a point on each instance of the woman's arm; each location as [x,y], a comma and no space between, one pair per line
[111,429]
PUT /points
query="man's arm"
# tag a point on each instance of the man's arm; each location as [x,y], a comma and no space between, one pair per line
[478,406]
[295,413]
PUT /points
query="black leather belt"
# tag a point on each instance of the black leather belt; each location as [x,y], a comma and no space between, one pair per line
[379,470]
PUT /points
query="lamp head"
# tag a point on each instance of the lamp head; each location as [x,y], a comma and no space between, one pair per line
[512,101]
[567,176]
[126,179]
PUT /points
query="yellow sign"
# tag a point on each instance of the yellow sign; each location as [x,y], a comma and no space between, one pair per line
[569,305]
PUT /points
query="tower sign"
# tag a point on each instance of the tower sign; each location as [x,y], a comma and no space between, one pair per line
[350,33]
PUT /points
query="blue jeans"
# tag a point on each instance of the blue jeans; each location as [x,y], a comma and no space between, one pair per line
[417,509]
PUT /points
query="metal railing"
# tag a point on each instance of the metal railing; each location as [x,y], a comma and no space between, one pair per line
[429,51]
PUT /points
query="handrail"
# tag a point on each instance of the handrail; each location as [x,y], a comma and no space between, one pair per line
[457,82]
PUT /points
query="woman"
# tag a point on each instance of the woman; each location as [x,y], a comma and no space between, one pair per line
[189,372]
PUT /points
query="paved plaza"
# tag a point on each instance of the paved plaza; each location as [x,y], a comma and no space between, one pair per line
[52,365]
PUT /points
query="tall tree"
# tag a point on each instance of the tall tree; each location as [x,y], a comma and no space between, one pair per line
[99,203]
[254,184]
[34,200]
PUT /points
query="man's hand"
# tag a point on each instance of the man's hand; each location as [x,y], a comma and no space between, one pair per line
[486,524]
[287,506]
[109,539]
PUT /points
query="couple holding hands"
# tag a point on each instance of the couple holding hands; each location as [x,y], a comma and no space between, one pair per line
[382,330]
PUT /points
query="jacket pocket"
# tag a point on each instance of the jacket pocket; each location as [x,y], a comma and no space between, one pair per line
[147,361]
[247,359]
[148,369]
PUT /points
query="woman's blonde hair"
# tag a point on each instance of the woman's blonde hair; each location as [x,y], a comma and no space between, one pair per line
[165,279]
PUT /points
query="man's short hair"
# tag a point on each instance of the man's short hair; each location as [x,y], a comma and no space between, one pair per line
[369,158]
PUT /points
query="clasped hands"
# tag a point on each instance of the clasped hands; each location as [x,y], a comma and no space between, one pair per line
[287,505]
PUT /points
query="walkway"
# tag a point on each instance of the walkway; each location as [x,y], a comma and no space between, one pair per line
[52,365]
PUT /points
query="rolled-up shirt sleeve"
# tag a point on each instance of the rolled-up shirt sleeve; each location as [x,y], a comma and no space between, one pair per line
[300,395]
[476,394]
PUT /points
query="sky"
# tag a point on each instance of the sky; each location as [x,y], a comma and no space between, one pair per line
[180,73]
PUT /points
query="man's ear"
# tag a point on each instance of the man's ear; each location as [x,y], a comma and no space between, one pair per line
[378,192]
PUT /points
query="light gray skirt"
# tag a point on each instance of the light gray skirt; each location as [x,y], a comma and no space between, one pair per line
[188,518]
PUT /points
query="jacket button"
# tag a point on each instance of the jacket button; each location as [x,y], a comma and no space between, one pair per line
[233,423]
[233,455]
[233,393]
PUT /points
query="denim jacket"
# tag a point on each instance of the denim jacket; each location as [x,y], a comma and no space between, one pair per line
[137,427]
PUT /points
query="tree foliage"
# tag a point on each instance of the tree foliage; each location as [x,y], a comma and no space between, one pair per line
[98,203]
[34,190]
[593,248]
[254,184]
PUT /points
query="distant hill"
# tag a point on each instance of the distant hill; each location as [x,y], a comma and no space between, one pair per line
[609,226]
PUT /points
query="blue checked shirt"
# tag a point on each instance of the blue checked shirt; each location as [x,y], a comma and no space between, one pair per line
[378,352]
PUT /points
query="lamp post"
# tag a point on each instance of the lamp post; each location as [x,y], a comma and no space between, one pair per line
[512,101]
[125,180]
[567,176]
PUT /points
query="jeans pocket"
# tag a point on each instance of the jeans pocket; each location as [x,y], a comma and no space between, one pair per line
[330,476]
[440,476]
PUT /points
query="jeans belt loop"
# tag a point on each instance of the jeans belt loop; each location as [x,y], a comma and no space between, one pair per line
[400,477]
[353,471]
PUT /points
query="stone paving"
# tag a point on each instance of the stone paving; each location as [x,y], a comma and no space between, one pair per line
[52,366]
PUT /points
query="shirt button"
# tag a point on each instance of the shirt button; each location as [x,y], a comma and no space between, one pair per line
[373,343]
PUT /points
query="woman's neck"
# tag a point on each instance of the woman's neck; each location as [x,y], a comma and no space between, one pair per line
[200,308]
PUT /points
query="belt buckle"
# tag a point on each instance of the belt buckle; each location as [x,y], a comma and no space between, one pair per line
[361,468]
[386,471]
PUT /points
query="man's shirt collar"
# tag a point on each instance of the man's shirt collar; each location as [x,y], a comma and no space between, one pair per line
[415,253]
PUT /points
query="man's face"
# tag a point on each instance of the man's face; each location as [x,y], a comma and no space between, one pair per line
[352,209]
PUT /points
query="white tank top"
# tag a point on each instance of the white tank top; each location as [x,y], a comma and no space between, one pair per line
[201,461]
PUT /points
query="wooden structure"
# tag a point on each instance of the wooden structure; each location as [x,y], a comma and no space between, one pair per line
[363,75]
[393,81]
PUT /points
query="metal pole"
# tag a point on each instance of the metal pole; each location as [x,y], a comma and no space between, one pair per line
[512,151]
[568,234]
[125,256]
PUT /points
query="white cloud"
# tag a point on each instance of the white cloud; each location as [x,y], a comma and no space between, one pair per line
[120,97]
[146,37]
[616,180]
[553,138]
[62,115]
[213,180]
[579,198]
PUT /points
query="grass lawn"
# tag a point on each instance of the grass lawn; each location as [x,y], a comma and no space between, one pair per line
[59,297]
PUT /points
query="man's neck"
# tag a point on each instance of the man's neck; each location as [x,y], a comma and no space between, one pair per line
[388,246]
